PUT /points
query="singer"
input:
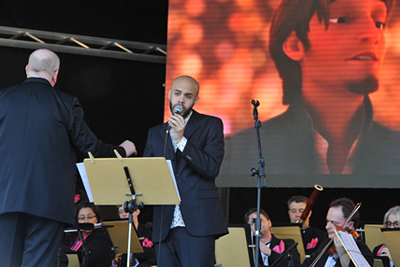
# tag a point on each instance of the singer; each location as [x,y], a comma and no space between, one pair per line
[184,235]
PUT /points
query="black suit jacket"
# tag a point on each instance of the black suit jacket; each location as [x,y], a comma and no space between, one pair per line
[99,246]
[40,128]
[195,170]
[289,148]
[310,235]
[275,255]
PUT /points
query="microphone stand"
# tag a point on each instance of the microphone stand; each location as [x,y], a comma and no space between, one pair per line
[260,172]
[130,206]
[287,255]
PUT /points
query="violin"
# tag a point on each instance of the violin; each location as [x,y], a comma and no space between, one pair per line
[332,251]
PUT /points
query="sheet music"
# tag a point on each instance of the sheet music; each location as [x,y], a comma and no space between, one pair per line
[85,180]
[173,178]
[352,247]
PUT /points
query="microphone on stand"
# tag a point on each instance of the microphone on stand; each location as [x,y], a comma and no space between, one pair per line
[177,110]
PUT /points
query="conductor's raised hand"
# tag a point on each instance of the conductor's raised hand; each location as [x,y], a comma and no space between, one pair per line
[129,147]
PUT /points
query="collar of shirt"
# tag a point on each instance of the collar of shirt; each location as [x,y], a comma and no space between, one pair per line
[322,145]
[265,257]
[330,261]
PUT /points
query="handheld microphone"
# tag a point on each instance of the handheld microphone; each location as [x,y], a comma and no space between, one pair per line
[177,110]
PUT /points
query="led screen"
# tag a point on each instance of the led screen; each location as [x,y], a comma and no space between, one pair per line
[330,115]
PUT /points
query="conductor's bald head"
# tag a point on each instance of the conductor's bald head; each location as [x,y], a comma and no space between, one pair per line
[43,63]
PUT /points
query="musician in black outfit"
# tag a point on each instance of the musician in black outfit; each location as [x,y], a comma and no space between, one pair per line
[312,237]
[340,209]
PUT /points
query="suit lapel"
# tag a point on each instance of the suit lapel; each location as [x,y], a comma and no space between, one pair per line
[192,125]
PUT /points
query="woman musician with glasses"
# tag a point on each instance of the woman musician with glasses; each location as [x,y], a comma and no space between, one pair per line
[96,242]
[390,220]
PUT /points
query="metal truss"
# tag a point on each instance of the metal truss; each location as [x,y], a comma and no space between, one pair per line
[82,45]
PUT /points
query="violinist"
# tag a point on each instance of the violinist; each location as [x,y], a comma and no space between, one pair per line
[312,237]
[338,213]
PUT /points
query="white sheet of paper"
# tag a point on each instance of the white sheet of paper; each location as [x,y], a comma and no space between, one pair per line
[85,180]
[351,245]
[173,178]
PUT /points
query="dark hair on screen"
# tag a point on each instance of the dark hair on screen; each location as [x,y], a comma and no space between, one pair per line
[295,15]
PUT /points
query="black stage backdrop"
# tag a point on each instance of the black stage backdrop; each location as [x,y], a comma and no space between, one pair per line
[123,99]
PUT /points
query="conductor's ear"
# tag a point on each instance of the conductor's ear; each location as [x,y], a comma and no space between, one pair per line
[293,47]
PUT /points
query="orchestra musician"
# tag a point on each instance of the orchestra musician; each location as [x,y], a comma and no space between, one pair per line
[312,237]
[338,213]
[271,247]
[390,220]
[96,246]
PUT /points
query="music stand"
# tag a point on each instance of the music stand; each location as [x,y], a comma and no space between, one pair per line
[147,181]
[373,235]
[392,238]
[290,232]
[73,260]
[233,249]
[119,237]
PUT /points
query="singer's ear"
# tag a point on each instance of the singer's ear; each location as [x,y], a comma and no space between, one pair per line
[195,101]
[169,94]
[293,47]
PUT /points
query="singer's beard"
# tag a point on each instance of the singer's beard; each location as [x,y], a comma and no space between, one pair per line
[185,112]
[365,86]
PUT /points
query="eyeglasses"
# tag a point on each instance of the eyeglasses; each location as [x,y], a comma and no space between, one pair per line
[395,224]
[89,217]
